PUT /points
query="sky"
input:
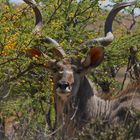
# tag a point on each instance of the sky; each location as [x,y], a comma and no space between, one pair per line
[103,3]
[17,1]
[21,1]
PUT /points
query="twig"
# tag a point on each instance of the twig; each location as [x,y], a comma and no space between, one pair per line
[131,105]
[55,11]
[13,59]
[8,92]
[51,134]
[76,109]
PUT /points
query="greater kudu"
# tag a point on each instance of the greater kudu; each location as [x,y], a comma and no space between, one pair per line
[75,95]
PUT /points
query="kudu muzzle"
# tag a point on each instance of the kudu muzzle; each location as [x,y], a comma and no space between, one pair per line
[63,86]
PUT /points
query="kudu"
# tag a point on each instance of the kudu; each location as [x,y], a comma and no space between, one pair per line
[76,97]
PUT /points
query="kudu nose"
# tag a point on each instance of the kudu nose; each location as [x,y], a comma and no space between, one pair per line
[63,85]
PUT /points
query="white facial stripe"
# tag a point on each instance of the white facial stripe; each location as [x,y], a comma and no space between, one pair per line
[67,90]
[68,72]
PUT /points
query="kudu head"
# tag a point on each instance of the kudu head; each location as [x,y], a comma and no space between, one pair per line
[68,72]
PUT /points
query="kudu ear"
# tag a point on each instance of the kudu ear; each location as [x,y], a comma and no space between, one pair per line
[94,57]
[33,52]
[37,53]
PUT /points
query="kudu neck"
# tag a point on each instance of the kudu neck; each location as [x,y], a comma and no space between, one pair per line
[84,106]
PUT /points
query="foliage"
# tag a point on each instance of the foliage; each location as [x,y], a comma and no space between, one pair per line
[99,130]
[26,88]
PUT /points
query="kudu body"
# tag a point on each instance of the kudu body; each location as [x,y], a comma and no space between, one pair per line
[76,97]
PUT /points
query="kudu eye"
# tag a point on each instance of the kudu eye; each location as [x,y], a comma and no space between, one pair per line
[61,72]
[62,85]
[77,69]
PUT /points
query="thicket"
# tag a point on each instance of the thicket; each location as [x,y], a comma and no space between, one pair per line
[26,89]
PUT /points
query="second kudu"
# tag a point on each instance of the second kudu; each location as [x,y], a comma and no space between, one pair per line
[76,97]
